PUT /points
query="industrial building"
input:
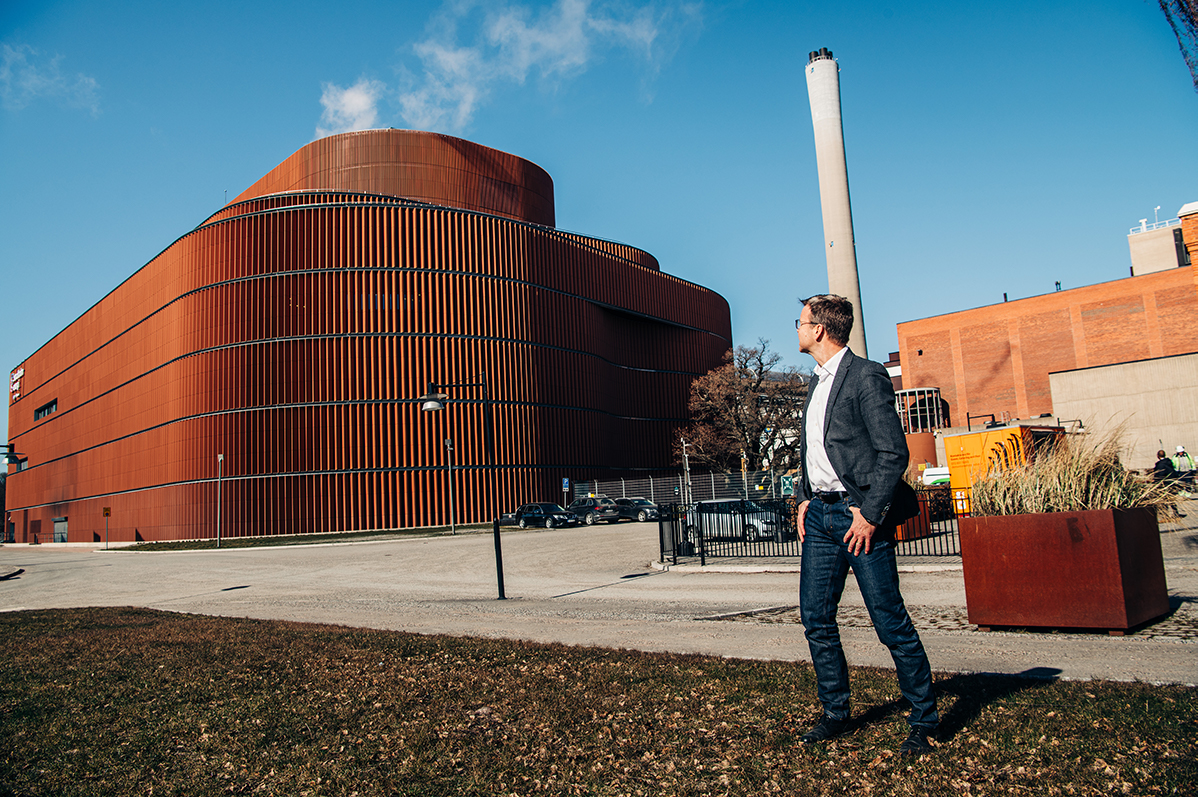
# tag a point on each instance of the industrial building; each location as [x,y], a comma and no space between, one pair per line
[1043,355]
[264,371]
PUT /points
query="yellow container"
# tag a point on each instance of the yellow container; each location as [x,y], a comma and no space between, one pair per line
[972,455]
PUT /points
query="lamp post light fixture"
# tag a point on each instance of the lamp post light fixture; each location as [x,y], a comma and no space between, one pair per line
[686,467]
[220,471]
[449,455]
[433,401]
[11,456]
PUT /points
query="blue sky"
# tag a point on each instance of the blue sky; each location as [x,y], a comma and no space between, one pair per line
[991,147]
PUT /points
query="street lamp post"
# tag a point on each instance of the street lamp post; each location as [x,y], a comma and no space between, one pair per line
[220,471]
[686,467]
[434,402]
[449,454]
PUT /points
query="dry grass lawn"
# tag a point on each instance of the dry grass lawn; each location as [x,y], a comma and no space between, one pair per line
[138,702]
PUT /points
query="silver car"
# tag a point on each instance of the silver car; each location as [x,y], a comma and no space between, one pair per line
[733,519]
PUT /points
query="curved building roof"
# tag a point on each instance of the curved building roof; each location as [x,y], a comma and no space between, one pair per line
[428,167]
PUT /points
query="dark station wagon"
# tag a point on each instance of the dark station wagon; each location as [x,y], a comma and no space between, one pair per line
[592,510]
[639,509]
[549,515]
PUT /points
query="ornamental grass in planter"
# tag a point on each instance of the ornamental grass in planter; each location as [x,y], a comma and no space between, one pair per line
[1066,540]
[1075,474]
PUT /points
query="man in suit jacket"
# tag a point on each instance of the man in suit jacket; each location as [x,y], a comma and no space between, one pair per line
[854,455]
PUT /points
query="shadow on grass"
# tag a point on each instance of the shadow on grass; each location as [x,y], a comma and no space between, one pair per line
[973,693]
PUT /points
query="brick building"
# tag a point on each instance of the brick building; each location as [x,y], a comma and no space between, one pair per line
[997,359]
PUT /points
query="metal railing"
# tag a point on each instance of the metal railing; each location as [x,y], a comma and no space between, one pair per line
[672,488]
[1144,226]
[765,529]
[728,529]
[933,532]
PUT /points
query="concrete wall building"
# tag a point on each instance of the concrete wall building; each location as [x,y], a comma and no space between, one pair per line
[1157,247]
[294,330]
[1155,401]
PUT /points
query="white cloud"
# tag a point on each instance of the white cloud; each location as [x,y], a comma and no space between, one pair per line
[558,42]
[24,79]
[450,91]
[354,108]
[474,47]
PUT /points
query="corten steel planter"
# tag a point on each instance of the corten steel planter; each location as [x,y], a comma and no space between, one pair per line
[934,506]
[916,527]
[1099,569]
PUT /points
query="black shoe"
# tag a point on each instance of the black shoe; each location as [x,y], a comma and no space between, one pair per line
[917,743]
[825,730]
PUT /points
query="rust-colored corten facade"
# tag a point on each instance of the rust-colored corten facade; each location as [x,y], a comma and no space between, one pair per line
[997,359]
[294,330]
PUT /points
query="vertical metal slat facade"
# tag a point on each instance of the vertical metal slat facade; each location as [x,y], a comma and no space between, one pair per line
[293,330]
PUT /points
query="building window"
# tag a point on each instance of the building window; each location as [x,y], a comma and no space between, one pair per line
[45,409]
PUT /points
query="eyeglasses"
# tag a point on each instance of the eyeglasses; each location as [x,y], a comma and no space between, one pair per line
[799,323]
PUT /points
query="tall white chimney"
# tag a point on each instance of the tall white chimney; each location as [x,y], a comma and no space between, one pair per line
[823,89]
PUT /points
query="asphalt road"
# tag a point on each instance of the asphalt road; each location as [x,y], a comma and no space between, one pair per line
[584,586]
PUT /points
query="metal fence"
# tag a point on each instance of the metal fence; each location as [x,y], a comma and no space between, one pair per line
[761,484]
[739,528]
[723,529]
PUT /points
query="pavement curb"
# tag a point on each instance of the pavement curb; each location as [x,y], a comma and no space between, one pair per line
[784,568]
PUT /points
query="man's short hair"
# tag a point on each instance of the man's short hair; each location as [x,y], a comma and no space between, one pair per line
[834,313]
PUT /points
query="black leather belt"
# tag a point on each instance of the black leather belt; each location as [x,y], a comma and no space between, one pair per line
[832,497]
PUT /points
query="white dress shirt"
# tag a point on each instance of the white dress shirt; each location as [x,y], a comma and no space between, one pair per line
[820,474]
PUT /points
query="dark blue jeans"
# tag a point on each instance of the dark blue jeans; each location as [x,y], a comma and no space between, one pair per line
[826,563]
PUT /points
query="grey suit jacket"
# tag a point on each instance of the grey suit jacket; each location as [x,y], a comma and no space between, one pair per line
[863,437]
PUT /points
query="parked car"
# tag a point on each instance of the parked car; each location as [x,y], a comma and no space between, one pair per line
[640,509]
[550,516]
[735,520]
[593,509]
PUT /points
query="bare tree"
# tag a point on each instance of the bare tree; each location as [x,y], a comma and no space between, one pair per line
[1183,18]
[746,406]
